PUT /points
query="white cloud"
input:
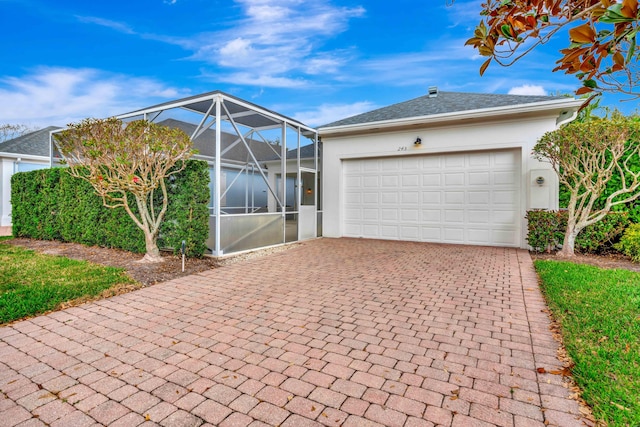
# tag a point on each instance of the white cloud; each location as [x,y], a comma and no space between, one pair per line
[528,89]
[58,96]
[327,113]
[114,25]
[277,39]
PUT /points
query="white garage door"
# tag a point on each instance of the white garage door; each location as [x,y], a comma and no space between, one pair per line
[469,198]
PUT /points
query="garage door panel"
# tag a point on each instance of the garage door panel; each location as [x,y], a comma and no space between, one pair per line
[478,197]
[454,197]
[507,158]
[431,180]
[506,237]
[431,234]
[389,198]
[454,161]
[353,198]
[453,235]
[478,235]
[431,216]
[431,197]
[409,215]
[354,229]
[371,198]
[352,182]
[390,214]
[353,214]
[454,179]
[411,163]
[471,198]
[389,231]
[479,178]
[390,180]
[454,216]
[478,216]
[411,181]
[389,165]
[482,160]
[371,181]
[506,197]
[505,178]
[431,162]
[505,217]
[410,232]
[370,214]
[372,230]
[410,197]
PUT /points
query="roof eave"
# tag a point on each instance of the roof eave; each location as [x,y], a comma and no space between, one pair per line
[555,106]
[9,155]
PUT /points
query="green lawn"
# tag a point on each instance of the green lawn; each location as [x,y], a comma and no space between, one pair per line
[31,283]
[599,312]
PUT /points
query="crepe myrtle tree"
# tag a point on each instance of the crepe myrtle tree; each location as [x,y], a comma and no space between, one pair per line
[586,156]
[125,161]
[601,49]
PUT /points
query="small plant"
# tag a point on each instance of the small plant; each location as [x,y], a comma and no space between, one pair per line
[630,242]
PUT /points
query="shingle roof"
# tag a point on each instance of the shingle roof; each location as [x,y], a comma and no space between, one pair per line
[205,143]
[444,102]
[33,143]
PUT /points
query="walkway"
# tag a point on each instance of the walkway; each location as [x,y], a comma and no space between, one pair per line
[335,332]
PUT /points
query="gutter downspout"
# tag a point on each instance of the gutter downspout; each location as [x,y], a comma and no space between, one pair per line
[565,118]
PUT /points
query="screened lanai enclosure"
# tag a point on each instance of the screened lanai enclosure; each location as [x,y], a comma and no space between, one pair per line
[264,169]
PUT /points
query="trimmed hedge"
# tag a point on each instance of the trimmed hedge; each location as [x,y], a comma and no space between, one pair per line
[547,228]
[50,204]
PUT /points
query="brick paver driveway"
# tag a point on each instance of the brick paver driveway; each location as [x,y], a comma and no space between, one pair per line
[336,332]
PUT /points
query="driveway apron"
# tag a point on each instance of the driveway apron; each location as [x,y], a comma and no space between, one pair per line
[334,332]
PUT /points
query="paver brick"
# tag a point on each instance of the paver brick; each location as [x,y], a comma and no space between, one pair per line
[381,333]
[181,419]
[108,412]
[269,413]
[385,416]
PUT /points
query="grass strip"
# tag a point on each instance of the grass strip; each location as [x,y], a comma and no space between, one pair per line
[599,314]
[32,283]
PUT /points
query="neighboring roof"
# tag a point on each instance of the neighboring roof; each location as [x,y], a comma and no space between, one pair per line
[442,103]
[31,144]
[205,143]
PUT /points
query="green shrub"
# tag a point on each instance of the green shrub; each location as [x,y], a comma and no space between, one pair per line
[50,204]
[630,242]
[546,231]
[602,235]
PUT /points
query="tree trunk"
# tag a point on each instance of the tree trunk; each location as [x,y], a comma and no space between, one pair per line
[153,253]
[568,246]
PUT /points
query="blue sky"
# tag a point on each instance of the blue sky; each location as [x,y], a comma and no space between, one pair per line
[314,60]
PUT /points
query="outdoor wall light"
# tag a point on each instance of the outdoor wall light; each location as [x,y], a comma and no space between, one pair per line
[418,141]
[540,180]
[309,191]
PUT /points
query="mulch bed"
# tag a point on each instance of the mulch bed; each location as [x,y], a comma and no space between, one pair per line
[612,260]
[145,273]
